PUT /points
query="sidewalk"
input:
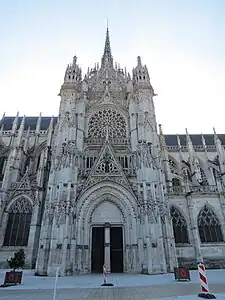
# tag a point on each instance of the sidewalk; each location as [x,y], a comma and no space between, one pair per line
[30,281]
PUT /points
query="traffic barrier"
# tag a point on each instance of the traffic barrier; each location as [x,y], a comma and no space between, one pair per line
[105,278]
[204,283]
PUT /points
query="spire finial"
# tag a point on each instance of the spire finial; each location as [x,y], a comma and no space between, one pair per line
[107,55]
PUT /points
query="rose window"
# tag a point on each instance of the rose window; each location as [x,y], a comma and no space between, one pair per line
[107,119]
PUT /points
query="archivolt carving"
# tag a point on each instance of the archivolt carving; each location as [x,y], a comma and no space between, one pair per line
[102,189]
[124,209]
[109,199]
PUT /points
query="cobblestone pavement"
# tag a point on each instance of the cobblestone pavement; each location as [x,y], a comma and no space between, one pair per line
[104,293]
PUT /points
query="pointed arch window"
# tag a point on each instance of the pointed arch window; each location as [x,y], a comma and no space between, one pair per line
[180,229]
[209,226]
[18,225]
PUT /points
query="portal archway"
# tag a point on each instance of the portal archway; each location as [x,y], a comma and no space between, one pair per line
[112,204]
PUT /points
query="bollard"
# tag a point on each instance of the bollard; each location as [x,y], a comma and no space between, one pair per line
[56,280]
[204,283]
[104,273]
[104,277]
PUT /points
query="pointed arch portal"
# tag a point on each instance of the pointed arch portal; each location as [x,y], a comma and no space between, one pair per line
[106,223]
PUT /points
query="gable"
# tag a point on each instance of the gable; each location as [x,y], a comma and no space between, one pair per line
[106,167]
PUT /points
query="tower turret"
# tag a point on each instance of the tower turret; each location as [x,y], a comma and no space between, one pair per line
[141,77]
[73,73]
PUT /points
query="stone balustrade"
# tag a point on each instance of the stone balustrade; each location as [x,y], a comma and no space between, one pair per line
[181,190]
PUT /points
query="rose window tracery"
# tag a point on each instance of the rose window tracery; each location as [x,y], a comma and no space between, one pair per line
[107,118]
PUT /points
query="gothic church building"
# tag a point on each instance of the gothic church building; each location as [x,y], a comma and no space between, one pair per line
[101,183]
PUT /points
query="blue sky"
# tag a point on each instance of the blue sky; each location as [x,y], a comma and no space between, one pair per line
[181,42]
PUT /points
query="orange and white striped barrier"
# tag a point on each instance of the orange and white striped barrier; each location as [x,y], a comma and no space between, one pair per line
[204,283]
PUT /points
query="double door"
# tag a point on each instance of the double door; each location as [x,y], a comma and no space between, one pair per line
[101,247]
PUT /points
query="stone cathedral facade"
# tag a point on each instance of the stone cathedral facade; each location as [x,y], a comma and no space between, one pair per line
[101,183]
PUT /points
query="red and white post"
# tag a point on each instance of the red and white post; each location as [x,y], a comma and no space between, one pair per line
[204,283]
[104,273]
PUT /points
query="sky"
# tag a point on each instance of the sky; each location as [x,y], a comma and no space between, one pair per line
[182,42]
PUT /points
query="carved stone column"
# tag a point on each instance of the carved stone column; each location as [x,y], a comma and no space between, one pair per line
[107,248]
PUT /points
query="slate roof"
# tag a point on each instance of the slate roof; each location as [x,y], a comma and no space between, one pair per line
[29,121]
[171,139]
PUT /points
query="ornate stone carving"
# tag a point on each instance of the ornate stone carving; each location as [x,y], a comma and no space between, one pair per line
[143,155]
[21,205]
[49,213]
[27,185]
[99,120]
[68,152]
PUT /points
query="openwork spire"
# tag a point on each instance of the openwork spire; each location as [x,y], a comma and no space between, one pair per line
[107,55]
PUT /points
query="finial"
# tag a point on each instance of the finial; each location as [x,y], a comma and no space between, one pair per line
[107,23]
[139,61]
[162,137]
[178,142]
[203,141]
[107,55]
[160,129]
[74,60]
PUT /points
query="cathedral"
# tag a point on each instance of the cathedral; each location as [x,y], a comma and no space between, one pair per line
[101,183]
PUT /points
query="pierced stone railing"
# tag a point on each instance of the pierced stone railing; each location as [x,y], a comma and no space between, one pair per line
[204,189]
[181,190]
[99,141]
[176,190]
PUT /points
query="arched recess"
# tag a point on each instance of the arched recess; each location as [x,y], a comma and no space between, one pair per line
[180,227]
[209,226]
[19,213]
[97,194]
[176,182]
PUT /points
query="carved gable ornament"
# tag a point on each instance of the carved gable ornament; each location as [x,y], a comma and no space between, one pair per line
[26,185]
[106,167]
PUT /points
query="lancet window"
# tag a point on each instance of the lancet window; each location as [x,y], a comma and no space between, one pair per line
[179,226]
[209,226]
[107,118]
[18,225]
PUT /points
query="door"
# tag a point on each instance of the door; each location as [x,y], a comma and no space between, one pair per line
[116,249]
[97,251]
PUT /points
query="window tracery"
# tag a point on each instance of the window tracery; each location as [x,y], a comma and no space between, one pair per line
[209,226]
[107,118]
[179,226]
[18,225]
[107,164]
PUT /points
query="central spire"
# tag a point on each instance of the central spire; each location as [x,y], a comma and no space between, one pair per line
[107,55]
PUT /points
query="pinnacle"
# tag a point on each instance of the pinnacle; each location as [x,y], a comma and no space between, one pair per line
[107,55]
